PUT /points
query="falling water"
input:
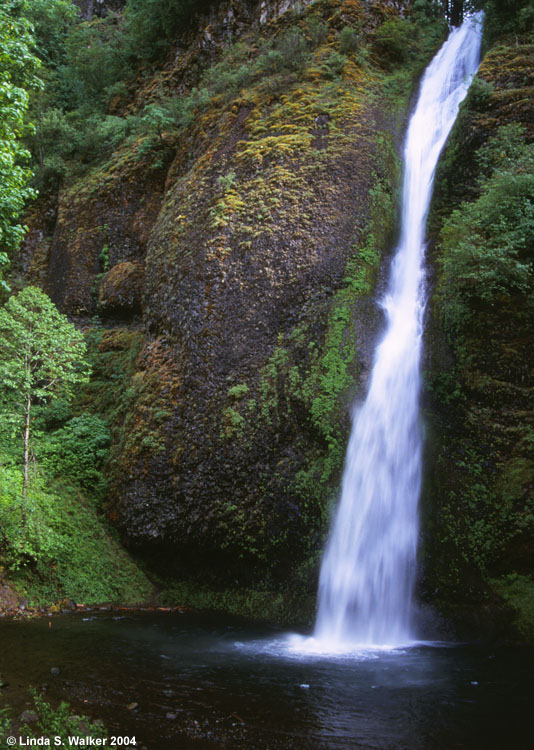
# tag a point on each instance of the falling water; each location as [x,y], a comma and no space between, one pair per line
[368,571]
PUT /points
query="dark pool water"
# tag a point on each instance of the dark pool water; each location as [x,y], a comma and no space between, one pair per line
[203,682]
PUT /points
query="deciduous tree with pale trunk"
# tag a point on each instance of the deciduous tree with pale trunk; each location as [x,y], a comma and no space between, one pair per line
[42,355]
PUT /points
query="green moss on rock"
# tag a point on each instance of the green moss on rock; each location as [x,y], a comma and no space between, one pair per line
[479,499]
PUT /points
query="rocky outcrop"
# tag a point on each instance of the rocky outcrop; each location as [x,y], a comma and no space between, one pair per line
[103,221]
[480,485]
[121,290]
[99,8]
[257,232]
[259,274]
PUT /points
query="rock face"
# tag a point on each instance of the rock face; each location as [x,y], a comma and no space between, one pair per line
[261,260]
[101,222]
[251,241]
[480,486]
[99,8]
[252,245]
[121,290]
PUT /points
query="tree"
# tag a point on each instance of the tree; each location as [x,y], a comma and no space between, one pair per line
[152,25]
[456,12]
[42,355]
[52,20]
[17,75]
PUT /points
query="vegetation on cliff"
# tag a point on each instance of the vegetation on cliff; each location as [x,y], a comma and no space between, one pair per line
[279,203]
[267,146]
[480,489]
[52,542]
[218,195]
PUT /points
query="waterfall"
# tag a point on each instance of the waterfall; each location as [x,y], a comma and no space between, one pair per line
[368,570]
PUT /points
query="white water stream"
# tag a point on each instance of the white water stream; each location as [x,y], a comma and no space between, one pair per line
[368,570]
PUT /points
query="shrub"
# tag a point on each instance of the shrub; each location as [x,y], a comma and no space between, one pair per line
[507,17]
[53,415]
[479,94]
[487,243]
[423,10]
[152,25]
[293,47]
[95,61]
[62,723]
[317,30]
[78,450]
[52,20]
[348,41]
[503,151]
[392,40]
[226,79]
[333,65]
[60,547]
[271,62]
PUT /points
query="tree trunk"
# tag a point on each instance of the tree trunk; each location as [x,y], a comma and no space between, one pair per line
[457,12]
[26,455]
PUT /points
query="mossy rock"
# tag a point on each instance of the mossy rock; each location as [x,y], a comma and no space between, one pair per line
[478,497]
[121,290]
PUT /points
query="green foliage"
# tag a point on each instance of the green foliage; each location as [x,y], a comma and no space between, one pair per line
[14,544]
[61,722]
[292,607]
[479,94]
[53,141]
[42,353]
[95,61]
[54,414]
[393,41]
[55,545]
[52,722]
[5,724]
[424,10]
[475,526]
[349,41]
[333,65]
[507,17]
[51,20]
[152,25]
[518,593]
[487,243]
[78,450]
[101,135]
[232,73]
[158,118]
[317,30]
[502,152]
[17,76]
[85,65]
[98,61]
[238,391]
[293,47]
[233,423]
[481,497]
